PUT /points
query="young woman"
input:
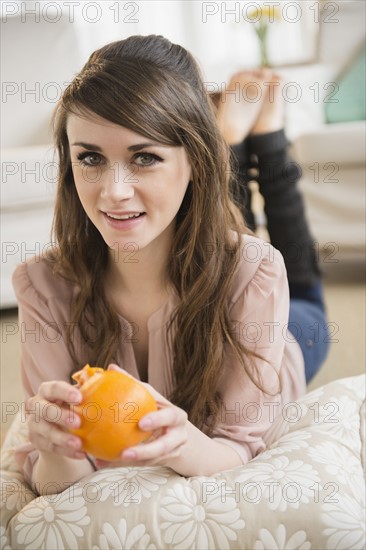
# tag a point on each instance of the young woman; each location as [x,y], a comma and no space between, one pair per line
[154,272]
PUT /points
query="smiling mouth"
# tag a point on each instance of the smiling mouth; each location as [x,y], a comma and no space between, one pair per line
[124,216]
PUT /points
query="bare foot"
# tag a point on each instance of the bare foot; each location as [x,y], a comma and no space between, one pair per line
[272,114]
[240,103]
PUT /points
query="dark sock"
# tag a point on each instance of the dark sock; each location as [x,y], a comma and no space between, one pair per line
[242,193]
[284,208]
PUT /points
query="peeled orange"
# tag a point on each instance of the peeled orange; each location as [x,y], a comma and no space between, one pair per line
[110,409]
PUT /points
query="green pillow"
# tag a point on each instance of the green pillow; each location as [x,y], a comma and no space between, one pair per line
[351,104]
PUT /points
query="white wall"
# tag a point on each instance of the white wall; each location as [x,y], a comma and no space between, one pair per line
[218,33]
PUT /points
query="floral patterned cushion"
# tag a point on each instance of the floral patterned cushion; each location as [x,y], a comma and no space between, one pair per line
[305,491]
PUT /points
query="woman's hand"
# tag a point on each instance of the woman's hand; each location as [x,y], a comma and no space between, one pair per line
[169,425]
[50,415]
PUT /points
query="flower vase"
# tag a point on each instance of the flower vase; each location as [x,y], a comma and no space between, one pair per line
[261,31]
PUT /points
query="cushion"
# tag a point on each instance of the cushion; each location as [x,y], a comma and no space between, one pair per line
[349,101]
[305,491]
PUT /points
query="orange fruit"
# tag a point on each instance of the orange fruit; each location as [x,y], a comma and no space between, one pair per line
[111,407]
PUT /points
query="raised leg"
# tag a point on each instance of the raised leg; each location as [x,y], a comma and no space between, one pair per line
[262,154]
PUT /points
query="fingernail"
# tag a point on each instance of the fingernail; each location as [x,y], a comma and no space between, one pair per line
[129,454]
[78,454]
[75,422]
[145,423]
[75,396]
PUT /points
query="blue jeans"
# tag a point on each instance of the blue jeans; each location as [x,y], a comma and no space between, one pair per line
[308,324]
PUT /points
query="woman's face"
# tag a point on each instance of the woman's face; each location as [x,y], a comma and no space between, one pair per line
[130,187]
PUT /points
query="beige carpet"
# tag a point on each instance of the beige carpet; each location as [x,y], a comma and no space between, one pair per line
[345,301]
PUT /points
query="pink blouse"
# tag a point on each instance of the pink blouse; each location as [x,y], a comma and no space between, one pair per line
[258,304]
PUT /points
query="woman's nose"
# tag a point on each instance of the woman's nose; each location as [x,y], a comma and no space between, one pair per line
[119,183]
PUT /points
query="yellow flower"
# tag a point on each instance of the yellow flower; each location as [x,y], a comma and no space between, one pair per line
[264,12]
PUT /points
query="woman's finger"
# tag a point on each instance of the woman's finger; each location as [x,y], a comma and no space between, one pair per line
[152,452]
[160,448]
[48,437]
[165,417]
[70,451]
[59,390]
[37,409]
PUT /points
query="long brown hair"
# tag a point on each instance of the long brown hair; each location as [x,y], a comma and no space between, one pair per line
[154,88]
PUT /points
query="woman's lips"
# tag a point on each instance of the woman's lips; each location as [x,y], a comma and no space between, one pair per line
[129,223]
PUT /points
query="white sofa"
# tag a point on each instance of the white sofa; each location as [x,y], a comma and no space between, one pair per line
[331,156]
[332,159]
[305,491]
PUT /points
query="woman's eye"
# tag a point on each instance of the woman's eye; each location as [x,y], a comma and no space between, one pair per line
[89,159]
[146,159]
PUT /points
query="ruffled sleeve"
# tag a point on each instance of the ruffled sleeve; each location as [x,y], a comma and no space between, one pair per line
[259,317]
[43,312]
[43,356]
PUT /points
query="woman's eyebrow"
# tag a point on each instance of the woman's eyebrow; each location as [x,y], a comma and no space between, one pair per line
[87,145]
[136,147]
[139,146]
